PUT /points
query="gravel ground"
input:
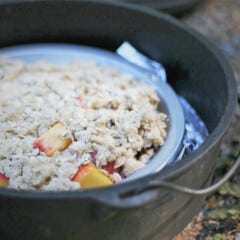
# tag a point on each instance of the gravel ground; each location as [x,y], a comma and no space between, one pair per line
[219,21]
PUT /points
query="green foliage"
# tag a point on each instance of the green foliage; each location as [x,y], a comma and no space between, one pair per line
[219,236]
[230,189]
[218,214]
[224,213]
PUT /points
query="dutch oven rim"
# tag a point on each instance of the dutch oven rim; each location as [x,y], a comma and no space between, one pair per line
[174,7]
[167,173]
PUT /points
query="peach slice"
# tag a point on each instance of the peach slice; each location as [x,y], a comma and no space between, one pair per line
[3,180]
[53,140]
[90,177]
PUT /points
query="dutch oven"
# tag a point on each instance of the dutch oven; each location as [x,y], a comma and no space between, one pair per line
[138,209]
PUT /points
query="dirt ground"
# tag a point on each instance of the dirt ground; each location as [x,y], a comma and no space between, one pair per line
[219,21]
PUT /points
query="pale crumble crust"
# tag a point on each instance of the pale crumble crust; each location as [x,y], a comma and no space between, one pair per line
[103,110]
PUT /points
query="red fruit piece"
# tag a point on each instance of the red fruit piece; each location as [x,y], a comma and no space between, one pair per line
[53,140]
[110,167]
[3,180]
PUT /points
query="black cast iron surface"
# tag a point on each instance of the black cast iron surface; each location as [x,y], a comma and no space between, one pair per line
[206,81]
[176,7]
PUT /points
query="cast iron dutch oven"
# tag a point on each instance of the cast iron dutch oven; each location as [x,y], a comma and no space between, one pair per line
[134,210]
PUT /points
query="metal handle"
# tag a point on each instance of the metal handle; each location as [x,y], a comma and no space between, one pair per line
[175,187]
[134,198]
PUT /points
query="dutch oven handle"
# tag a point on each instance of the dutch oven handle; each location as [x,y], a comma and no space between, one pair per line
[186,190]
[156,184]
[145,195]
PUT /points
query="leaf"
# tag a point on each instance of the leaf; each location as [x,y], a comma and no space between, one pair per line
[218,214]
[235,153]
[234,213]
[219,236]
[230,189]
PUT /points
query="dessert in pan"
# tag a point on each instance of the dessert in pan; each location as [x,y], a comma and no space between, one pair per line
[75,117]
